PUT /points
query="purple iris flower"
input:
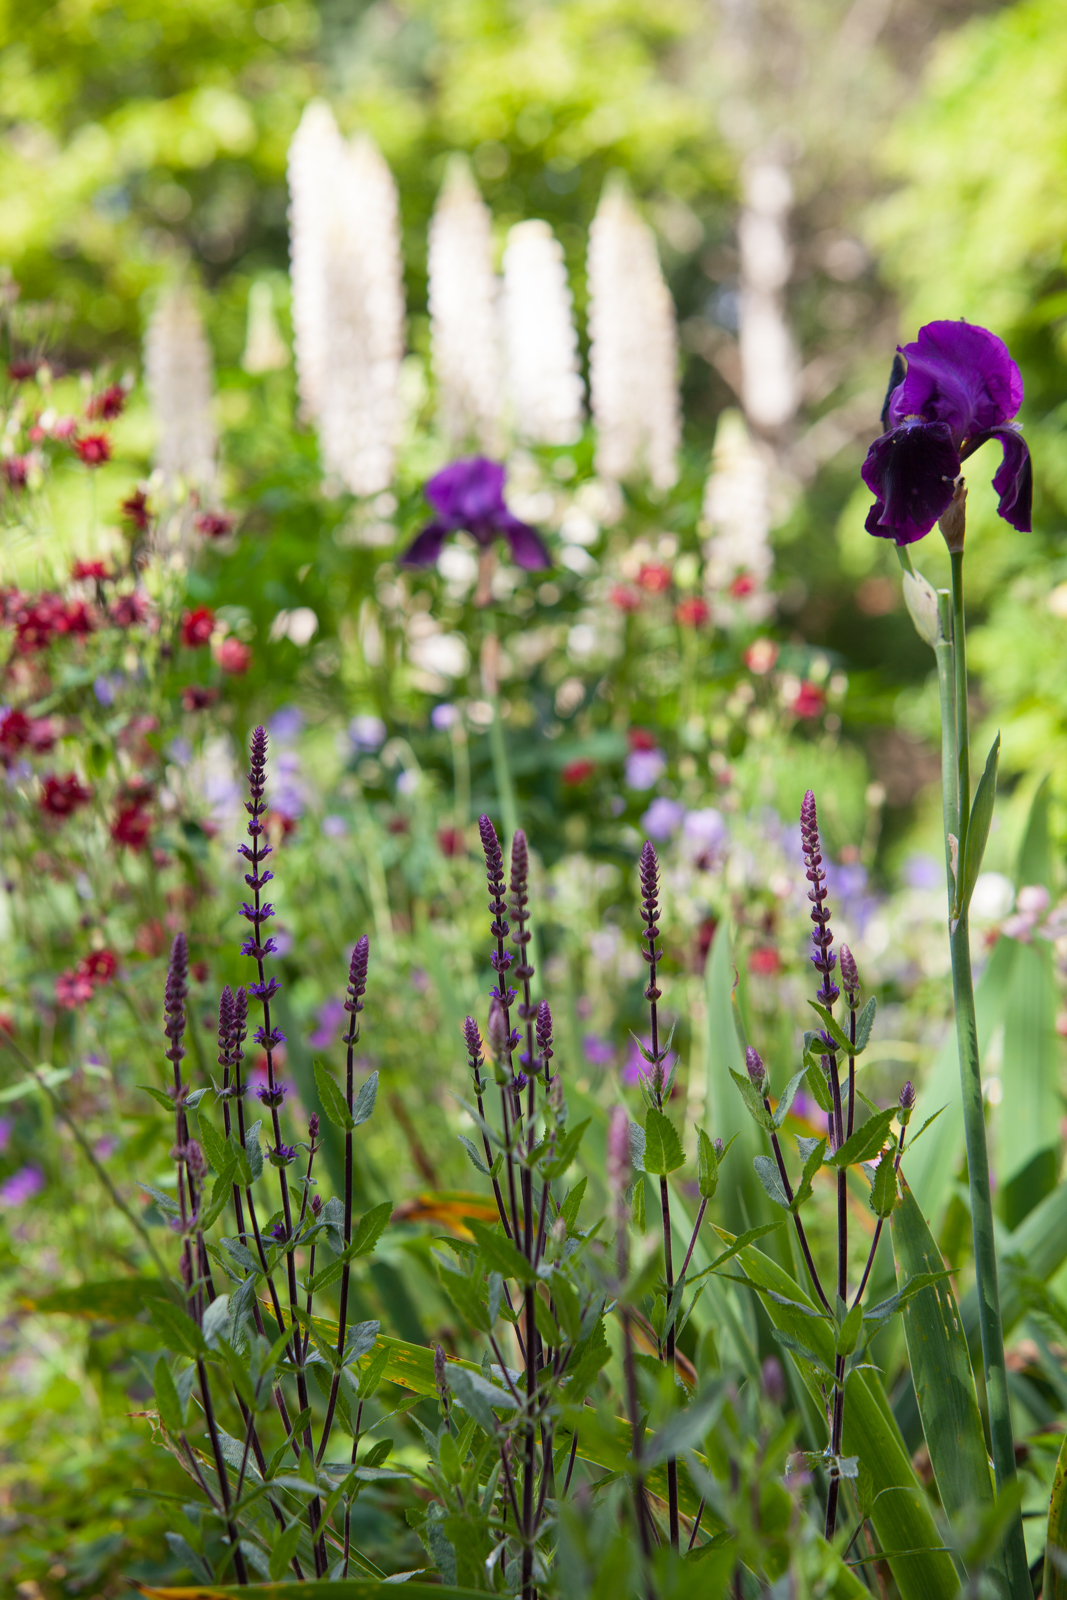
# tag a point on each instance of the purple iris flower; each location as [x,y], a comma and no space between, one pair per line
[960,388]
[469,494]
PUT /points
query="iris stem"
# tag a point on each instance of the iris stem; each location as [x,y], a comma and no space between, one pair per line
[954,657]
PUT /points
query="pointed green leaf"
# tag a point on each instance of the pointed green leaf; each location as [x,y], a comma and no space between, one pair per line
[864,1024]
[167,1401]
[978,828]
[771,1179]
[832,1027]
[332,1100]
[707,1166]
[365,1099]
[500,1254]
[285,1547]
[753,1100]
[866,1142]
[884,1188]
[663,1148]
[213,1142]
[820,1089]
[788,1095]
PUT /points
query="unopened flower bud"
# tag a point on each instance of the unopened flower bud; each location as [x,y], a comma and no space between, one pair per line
[719,1148]
[757,1072]
[850,978]
[921,600]
[907,1104]
[316,1204]
[498,1029]
[194,1159]
[313,1126]
[953,524]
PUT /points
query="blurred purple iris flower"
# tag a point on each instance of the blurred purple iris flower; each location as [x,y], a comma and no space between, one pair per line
[469,494]
[960,388]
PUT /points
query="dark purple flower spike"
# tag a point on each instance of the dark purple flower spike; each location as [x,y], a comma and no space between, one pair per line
[960,389]
[469,495]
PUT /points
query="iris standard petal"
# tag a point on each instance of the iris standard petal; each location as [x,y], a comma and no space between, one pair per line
[911,470]
[961,375]
[467,492]
[1014,480]
[527,546]
[425,549]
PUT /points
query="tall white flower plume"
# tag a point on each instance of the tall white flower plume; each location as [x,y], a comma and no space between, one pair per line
[316,156]
[633,361]
[769,380]
[739,560]
[348,298]
[463,313]
[180,377]
[265,349]
[540,342]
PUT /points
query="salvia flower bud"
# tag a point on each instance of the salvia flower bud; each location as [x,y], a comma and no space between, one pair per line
[272,1097]
[316,1204]
[313,1126]
[757,1072]
[850,978]
[282,1156]
[907,1104]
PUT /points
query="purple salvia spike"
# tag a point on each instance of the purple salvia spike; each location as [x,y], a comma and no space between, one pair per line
[240,1021]
[226,1011]
[544,1036]
[850,978]
[357,987]
[473,1040]
[174,1001]
[756,1070]
[824,958]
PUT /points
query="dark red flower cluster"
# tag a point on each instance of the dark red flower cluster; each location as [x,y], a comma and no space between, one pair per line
[214,524]
[16,471]
[135,509]
[576,772]
[233,656]
[93,448]
[197,697]
[641,739]
[37,619]
[108,404]
[61,795]
[20,732]
[84,571]
[132,823]
[75,986]
[197,627]
[692,612]
[127,610]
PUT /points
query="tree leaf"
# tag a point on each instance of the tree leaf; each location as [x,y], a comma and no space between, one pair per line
[663,1148]
[332,1099]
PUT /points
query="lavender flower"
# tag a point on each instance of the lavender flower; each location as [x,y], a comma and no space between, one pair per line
[644,768]
[907,1104]
[960,388]
[469,495]
[272,1095]
[824,958]
[175,995]
[22,1186]
[281,1155]
[473,1040]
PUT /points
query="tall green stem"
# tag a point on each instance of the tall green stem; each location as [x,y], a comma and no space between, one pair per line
[505,790]
[952,655]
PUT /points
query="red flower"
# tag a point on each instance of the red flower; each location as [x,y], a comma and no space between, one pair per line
[132,825]
[808,701]
[135,509]
[36,621]
[20,371]
[233,656]
[625,599]
[108,404]
[450,841]
[83,571]
[64,428]
[197,627]
[692,613]
[129,609]
[73,989]
[214,524]
[94,449]
[76,618]
[654,577]
[63,795]
[16,471]
[761,656]
[200,971]
[576,772]
[14,731]
[99,966]
[196,696]
[743,584]
[641,739]
[764,961]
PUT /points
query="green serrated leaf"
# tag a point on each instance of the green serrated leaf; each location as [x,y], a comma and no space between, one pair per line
[637,1204]
[285,1548]
[771,1179]
[332,1100]
[253,1151]
[753,1100]
[368,1231]
[866,1142]
[884,1187]
[500,1254]
[707,1166]
[475,1158]
[177,1328]
[849,1332]
[213,1142]
[864,1024]
[788,1095]
[832,1027]
[818,1086]
[168,1404]
[569,1209]
[663,1148]
[365,1099]
[158,1095]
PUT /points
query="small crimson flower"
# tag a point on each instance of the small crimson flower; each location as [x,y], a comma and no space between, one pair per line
[132,825]
[214,524]
[108,404]
[950,392]
[654,577]
[62,795]
[808,702]
[233,656]
[197,627]
[197,697]
[14,731]
[624,599]
[692,613]
[135,509]
[73,989]
[82,571]
[469,495]
[93,448]
[16,471]
[129,609]
[99,966]
[576,772]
